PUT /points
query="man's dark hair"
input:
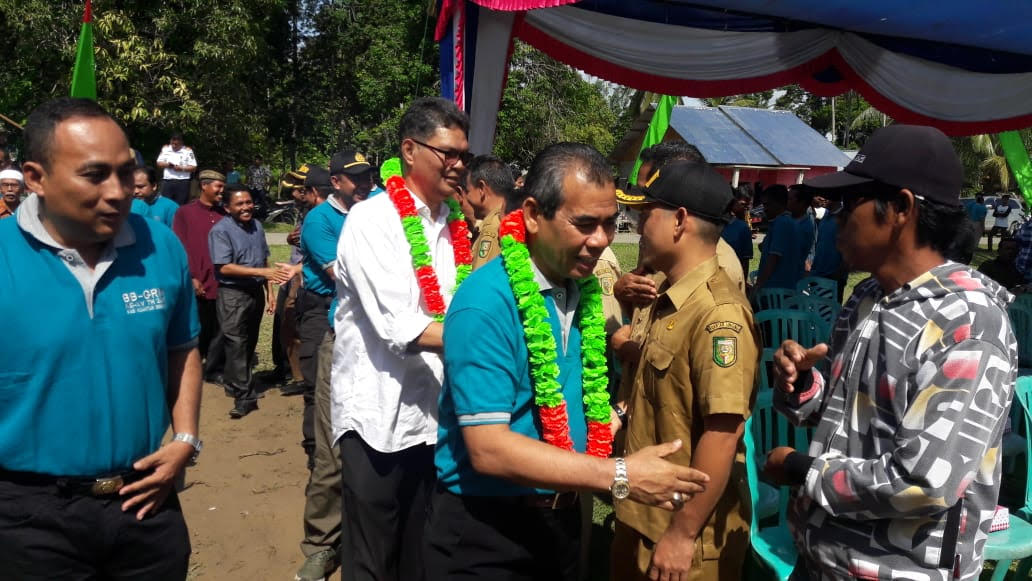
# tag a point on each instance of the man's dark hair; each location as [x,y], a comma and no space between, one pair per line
[776,193]
[803,194]
[939,226]
[323,192]
[648,155]
[544,181]
[232,189]
[426,114]
[43,121]
[669,151]
[493,172]
[176,135]
[150,172]
[514,200]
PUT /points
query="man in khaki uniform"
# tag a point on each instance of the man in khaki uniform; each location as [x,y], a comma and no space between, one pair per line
[694,382]
[489,183]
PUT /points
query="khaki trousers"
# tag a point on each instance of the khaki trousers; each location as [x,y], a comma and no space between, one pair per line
[323,493]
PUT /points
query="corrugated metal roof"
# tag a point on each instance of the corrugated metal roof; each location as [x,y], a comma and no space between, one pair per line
[717,136]
[745,136]
[786,137]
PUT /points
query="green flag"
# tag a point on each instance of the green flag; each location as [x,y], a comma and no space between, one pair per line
[84,78]
[657,129]
[1018,160]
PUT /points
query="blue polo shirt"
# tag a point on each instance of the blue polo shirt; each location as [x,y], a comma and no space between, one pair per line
[783,240]
[738,235]
[807,233]
[319,235]
[827,259]
[976,211]
[83,387]
[161,209]
[487,379]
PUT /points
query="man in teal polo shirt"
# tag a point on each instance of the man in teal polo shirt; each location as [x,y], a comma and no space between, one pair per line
[86,486]
[147,201]
[496,513]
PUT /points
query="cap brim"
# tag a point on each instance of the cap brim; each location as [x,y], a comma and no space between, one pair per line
[831,181]
[354,170]
[633,197]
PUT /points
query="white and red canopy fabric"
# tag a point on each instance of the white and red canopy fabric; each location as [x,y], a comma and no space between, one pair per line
[962,66]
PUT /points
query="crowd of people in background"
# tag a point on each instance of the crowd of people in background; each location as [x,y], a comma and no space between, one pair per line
[444,333]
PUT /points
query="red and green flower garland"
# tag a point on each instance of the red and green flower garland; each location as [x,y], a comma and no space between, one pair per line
[544,371]
[419,248]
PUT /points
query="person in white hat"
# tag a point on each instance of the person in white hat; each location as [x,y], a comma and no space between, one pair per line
[12,186]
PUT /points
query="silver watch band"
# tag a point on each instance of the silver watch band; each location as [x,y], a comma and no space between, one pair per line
[189,439]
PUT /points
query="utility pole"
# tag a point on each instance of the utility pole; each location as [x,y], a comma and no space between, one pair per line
[833,130]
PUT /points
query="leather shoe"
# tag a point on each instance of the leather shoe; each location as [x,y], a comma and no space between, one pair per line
[242,408]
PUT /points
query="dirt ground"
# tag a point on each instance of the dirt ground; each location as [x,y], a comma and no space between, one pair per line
[244,499]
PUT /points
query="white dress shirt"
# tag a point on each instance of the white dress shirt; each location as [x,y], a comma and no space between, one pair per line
[379,389]
[184,157]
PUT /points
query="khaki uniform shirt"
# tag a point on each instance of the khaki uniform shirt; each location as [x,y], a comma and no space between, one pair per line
[487,245]
[608,272]
[699,359]
[4,210]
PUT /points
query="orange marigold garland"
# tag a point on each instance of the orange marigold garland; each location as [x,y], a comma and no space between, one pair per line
[419,248]
[541,347]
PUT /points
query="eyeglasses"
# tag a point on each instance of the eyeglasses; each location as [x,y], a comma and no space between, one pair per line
[450,156]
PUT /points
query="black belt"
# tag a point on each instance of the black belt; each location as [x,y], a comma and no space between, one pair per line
[75,485]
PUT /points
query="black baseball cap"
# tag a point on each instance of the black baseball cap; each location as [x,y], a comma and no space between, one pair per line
[349,162]
[317,177]
[691,185]
[916,157]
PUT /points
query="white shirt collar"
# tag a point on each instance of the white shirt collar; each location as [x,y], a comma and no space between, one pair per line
[29,221]
[336,204]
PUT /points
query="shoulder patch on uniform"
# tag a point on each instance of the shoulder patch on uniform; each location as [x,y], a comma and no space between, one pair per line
[606,282]
[724,325]
[725,351]
[485,247]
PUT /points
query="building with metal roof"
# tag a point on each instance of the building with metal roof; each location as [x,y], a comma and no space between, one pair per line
[746,145]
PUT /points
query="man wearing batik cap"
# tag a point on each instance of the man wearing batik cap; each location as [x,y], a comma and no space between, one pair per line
[902,474]
[12,186]
[694,383]
[191,224]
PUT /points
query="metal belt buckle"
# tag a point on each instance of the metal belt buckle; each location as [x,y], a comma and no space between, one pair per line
[107,486]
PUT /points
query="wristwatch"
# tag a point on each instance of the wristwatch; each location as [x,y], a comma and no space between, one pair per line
[189,439]
[621,487]
[621,414]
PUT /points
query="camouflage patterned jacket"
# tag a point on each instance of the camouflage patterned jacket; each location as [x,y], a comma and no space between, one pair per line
[906,454]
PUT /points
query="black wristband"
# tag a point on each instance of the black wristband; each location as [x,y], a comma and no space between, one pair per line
[797,465]
[620,414]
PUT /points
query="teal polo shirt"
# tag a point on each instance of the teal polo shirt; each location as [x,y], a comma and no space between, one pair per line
[161,209]
[83,385]
[487,379]
[783,240]
[319,235]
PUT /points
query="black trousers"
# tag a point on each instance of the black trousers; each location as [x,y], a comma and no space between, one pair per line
[176,190]
[240,315]
[500,538]
[279,355]
[312,325]
[47,535]
[384,507]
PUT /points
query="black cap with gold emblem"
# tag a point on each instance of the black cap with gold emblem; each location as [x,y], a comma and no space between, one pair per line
[349,162]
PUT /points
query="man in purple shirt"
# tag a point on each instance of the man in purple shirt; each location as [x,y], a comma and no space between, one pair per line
[191,224]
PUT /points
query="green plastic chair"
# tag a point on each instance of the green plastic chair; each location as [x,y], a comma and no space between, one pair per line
[1015,543]
[826,309]
[771,298]
[766,429]
[777,325]
[818,286]
[1021,322]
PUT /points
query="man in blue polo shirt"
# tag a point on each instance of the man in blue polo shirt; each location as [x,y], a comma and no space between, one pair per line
[147,201]
[86,486]
[781,259]
[347,182]
[495,514]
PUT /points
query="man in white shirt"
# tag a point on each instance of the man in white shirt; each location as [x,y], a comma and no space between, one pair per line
[179,162]
[387,368]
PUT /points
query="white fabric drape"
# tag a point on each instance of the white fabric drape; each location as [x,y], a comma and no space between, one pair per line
[684,53]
